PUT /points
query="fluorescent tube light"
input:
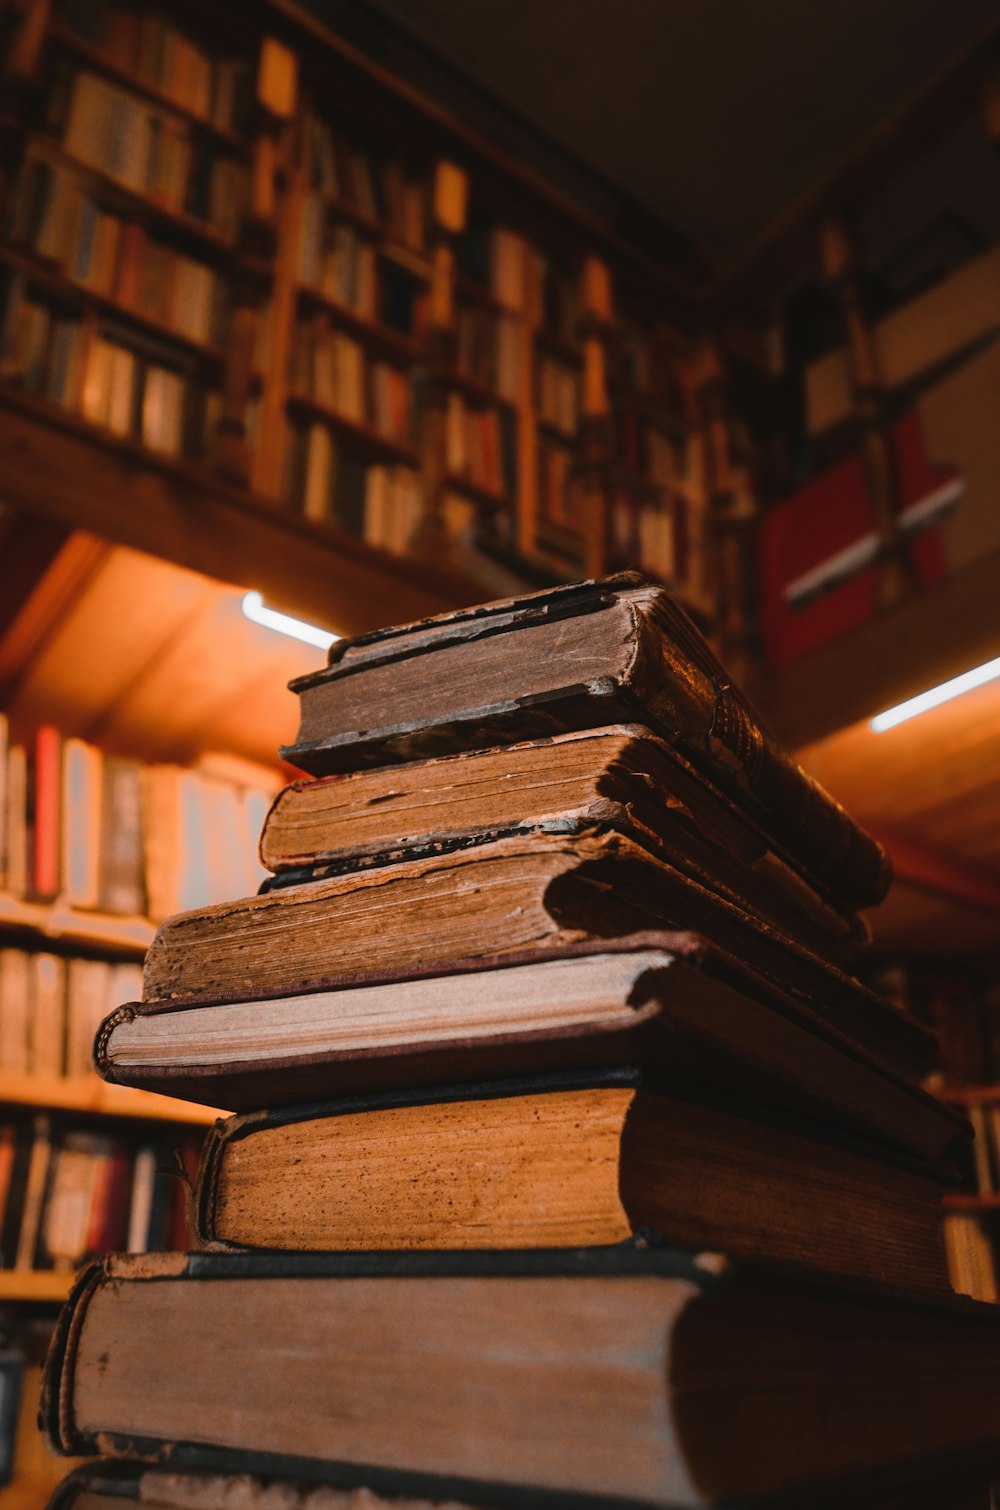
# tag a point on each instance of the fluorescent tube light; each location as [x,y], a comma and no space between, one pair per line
[255,610]
[936,696]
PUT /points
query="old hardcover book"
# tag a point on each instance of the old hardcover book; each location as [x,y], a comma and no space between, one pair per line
[570,1162]
[946,1481]
[620,777]
[617,651]
[515,895]
[648,1376]
[669,1002]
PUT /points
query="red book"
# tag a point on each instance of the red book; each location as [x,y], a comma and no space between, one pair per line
[818,568]
[133,243]
[48,794]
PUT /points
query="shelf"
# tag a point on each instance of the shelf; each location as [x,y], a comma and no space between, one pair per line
[136,199]
[406,257]
[93,1097]
[556,433]
[476,491]
[478,293]
[82,293]
[966,1095]
[58,466]
[475,389]
[130,936]
[392,341]
[558,346]
[68,41]
[364,438]
[972,1202]
[50,1287]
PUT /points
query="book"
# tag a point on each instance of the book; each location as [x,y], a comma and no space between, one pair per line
[621,777]
[656,1377]
[566,1161]
[516,895]
[668,1002]
[592,653]
[943,1482]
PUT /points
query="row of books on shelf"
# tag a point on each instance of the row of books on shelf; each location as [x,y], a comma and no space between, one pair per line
[661,536]
[985,1119]
[98,831]
[481,446]
[645,450]
[497,261]
[969,1248]
[149,150]
[560,300]
[648,366]
[107,373]
[74,229]
[336,371]
[488,348]
[558,394]
[346,273]
[381,504]
[51,1007]
[144,42]
[67,1194]
[341,169]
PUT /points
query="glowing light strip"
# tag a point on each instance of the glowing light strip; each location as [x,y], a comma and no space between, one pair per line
[254,609]
[987,672]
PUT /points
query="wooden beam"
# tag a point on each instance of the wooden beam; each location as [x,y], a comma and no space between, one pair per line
[927,639]
[929,870]
[55,467]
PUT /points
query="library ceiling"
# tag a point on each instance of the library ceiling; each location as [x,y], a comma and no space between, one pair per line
[714,117]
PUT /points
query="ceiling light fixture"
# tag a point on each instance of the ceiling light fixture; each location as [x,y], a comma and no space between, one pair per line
[936,696]
[255,610]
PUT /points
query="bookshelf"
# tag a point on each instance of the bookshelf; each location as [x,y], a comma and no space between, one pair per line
[380,392]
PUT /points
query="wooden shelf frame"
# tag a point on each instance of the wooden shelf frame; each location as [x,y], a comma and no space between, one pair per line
[53,922]
[60,467]
[35,1286]
[92,1097]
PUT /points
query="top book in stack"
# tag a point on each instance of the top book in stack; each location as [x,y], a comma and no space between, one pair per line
[594,653]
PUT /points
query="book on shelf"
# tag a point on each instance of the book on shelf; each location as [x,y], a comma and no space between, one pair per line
[51,1006]
[575,657]
[148,44]
[96,831]
[970,1248]
[712,1373]
[382,504]
[488,348]
[147,149]
[80,234]
[131,387]
[481,445]
[337,371]
[343,171]
[557,392]
[67,1193]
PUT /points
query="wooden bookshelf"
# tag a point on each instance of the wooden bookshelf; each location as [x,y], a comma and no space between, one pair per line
[92,1097]
[127,937]
[37,1286]
[62,38]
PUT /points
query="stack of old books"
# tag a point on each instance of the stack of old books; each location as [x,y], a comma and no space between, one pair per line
[572,1165]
